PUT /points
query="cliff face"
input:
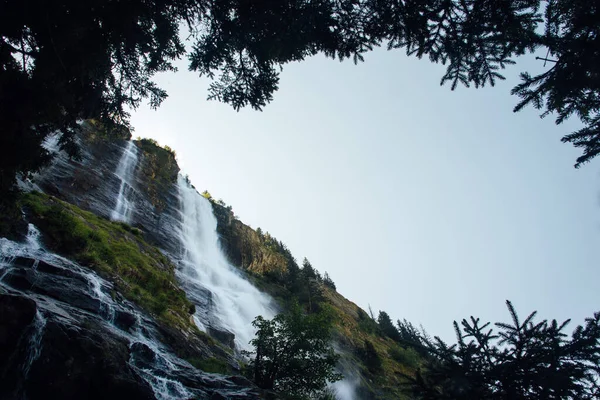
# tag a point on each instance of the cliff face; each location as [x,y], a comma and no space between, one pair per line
[268,262]
[91,183]
[95,330]
[245,247]
[91,307]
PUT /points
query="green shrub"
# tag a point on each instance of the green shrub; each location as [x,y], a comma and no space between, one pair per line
[405,356]
[370,357]
[366,323]
[211,364]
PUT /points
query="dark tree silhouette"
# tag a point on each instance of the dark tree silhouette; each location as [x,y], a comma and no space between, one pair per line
[524,359]
[61,61]
[387,326]
[327,281]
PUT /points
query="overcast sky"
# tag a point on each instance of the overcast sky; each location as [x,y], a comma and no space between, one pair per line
[429,204]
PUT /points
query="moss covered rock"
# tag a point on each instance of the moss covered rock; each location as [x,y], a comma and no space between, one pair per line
[245,247]
[159,171]
[115,250]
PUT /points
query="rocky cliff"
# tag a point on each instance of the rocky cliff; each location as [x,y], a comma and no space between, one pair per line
[96,303]
[268,262]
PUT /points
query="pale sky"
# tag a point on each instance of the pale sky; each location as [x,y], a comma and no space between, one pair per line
[429,204]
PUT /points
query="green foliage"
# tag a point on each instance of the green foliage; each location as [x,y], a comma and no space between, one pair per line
[405,356]
[129,228]
[304,285]
[293,353]
[368,354]
[272,268]
[211,364]
[327,281]
[220,202]
[387,326]
[151,146]
[413,337]
[307,269]
[170,150]
[206,195]
[142,273]
[60,62]
[522,360]
[159,170]
[410,334]
[366,323]
[477,39]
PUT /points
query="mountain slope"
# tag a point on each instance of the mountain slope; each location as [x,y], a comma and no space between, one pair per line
[140,262]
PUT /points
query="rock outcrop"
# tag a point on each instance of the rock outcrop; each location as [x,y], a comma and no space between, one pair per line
[91,184]
[65,333]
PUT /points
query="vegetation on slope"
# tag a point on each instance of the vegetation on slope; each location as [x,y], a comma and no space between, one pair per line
[96,130]
[117,251]
[524,359]
[382,362]
[159,170]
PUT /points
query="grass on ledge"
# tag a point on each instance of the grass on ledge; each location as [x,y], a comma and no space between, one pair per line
[114,249]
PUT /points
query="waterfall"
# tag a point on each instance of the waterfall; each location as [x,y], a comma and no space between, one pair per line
[234,302]
[34,344]
[33,238]
[169,377]
[9,250]
[125,169]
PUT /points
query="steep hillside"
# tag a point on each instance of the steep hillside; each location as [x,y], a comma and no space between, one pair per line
[376,361]
[149,287]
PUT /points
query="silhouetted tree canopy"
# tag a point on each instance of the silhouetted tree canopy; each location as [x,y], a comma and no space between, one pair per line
[387,326]
[524,359]
[327,281]
[62,61]
[308,270]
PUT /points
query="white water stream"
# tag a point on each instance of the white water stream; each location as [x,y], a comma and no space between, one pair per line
[235,301]
[155,371]
[125,172]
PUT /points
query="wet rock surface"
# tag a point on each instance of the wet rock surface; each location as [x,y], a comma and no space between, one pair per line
[223,336]
[129,354]
[63,336]
[16,316]
[92,184]
[84,362]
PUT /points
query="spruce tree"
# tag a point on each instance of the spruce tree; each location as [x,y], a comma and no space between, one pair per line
[523,359]
[327,281]
[387,326]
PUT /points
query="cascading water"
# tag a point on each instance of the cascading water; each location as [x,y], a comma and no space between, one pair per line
[33,347]
[235,302]
[83,299]
[124,206]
